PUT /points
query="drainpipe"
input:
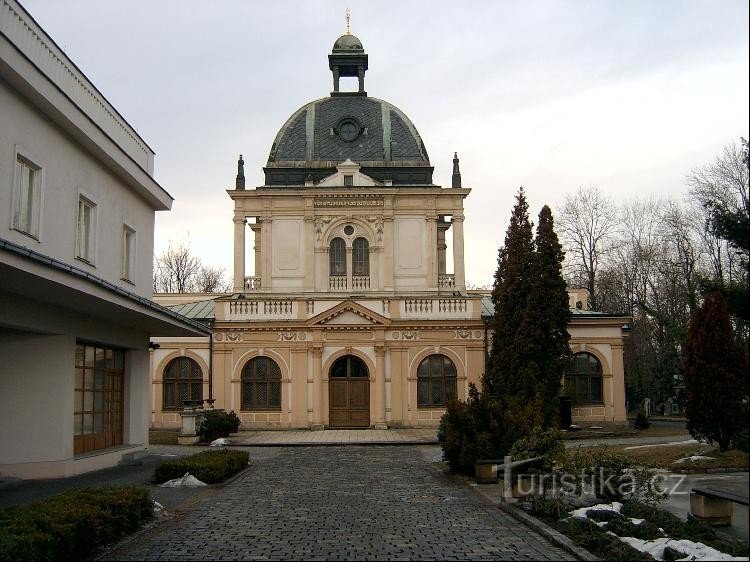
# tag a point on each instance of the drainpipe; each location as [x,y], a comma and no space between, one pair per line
[485,321]
[211,369]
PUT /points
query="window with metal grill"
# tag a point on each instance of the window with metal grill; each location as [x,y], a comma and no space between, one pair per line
[261,385]
[337,257]
[361,257]
[583,379]
[436,381]
[183,381]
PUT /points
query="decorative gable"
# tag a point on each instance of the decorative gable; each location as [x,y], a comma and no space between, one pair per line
[348,175]
[348,313]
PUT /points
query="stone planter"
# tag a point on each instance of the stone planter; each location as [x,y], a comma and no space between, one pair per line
[485,473]
[714,511]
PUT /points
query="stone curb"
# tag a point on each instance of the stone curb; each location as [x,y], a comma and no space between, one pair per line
[335,444]
[547,532]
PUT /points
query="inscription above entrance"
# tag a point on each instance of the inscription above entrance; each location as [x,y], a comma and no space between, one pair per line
[348,202]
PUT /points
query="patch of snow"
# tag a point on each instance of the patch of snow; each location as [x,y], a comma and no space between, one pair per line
[187,481]
[595,427]
[220,442]
[691,550]
[669,444]
[635,520]
[694,458]
[582,513]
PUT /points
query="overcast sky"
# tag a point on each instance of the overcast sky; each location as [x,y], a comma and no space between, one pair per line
[625,95]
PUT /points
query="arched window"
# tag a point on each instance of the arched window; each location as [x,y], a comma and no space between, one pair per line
[183,380]
[337,257]
[361,257]
[349,366]
[583,379]
[436,381]
[261,385]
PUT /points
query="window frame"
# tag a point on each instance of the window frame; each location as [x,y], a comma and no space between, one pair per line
[271,377]
[361,257]
[129,249]
[33,228]
[86,202]
[337,258]
[575,380]
[443,378]
[170,380]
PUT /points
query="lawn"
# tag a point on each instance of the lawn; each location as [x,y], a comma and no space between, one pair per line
[665,456]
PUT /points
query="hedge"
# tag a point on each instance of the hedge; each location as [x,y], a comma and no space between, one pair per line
[73,525]
[209,466]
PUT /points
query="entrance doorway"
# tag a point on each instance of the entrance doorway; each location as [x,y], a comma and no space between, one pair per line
[349,393]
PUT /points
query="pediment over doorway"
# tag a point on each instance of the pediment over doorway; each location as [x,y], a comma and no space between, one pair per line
[348,313]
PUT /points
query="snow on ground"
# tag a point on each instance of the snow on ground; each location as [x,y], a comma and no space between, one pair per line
[694,458]
[670,444]
[220,442]
[582,513]
[691,550]
[187,481]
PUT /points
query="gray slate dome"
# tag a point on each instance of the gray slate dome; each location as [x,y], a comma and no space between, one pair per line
[372,132]
[348,43]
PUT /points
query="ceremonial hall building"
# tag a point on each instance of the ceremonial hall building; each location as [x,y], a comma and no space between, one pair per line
[351,318]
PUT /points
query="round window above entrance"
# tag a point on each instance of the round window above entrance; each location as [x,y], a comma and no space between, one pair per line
[349,367]
[348,230]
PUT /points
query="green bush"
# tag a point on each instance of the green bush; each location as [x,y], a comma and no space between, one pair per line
[218,423]
[693,530]
[540,443]
[73,525]
[209,466]
[483,428]
[611,476]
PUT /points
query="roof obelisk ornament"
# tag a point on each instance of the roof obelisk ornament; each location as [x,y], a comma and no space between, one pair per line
[240,181]
[348,17]
[456,178]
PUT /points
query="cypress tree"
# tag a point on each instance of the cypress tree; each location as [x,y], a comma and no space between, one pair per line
[714,370]
[544,332]
[510,295]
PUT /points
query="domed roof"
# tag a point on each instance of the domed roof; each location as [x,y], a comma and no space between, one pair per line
[364,129]
[369,131]
[348,42]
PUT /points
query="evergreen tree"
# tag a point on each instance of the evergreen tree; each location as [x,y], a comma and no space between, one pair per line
[544,331]
[714,370]
[510,294]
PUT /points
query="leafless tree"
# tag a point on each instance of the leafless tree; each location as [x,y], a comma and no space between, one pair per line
[212,280]
[587,223]
[177,270]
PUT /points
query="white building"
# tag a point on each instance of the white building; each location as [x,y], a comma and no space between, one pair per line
[77,202]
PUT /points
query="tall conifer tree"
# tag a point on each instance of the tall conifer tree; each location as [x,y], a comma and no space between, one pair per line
[510,296]
[544,331]
[715,375]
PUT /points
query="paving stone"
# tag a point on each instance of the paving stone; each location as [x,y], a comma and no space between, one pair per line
[342,503]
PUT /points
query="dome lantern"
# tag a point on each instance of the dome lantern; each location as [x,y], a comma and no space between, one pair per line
[348,58]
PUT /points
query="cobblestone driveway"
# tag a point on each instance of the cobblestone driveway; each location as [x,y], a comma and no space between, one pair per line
[342,503]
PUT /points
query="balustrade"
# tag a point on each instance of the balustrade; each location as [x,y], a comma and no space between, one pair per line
[337,283]
[446,281]
[252,283]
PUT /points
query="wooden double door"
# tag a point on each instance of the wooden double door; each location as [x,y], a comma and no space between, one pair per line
[349,393]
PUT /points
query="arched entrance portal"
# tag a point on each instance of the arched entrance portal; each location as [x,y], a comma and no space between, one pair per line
[349,393]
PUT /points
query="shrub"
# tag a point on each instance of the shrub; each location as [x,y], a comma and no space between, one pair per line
[483,428]
[208,466]
[611,476]
[218,423]
[540,443]
[73,525]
